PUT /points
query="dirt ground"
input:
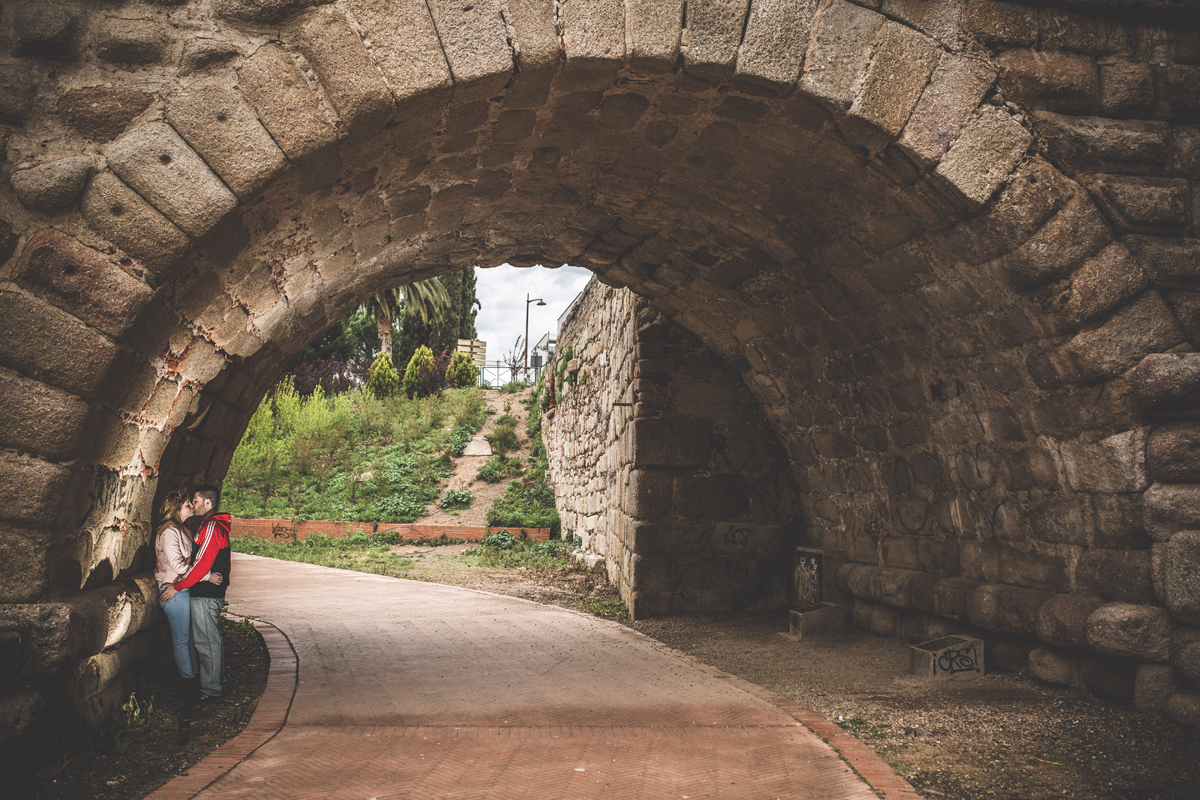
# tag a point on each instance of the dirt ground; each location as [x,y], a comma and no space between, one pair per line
[1000,737]
[467,467]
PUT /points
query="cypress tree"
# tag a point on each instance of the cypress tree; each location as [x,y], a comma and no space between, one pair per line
[459,322]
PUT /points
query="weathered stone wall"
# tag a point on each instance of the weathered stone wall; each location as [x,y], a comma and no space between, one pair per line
[935,238]
[683,487]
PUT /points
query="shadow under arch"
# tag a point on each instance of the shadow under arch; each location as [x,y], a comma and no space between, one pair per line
[928,315]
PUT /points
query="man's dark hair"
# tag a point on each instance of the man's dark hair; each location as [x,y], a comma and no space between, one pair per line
[211,493]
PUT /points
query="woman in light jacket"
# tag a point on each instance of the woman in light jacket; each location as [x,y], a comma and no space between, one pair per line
[173,554]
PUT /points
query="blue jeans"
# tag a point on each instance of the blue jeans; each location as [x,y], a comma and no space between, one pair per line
[179,617]
[207,637]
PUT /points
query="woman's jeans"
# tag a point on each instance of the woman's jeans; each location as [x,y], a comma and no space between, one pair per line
[179,617]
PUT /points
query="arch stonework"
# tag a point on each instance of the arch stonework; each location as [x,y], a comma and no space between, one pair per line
[949,247]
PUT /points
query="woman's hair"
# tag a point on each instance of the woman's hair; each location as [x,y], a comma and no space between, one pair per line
[171,505]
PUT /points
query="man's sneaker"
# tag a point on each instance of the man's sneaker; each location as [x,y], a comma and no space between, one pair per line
[207,698]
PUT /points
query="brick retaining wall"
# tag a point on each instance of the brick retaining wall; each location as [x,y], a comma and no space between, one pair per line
[266,529]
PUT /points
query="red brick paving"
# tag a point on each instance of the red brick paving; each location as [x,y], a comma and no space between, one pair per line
[416,690]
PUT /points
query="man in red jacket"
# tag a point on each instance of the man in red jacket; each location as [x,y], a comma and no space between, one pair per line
[210,554]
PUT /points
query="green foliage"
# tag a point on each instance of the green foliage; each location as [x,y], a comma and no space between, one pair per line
[363,554]
[503,438]
[606,606]
[441,332]
[412,373]
[512,387]
[503,549]
[353,457]
[526,504]
[456,499]
[382,378]
[462,371]
[499,468]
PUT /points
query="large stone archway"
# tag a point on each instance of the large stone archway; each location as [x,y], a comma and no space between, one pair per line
[936,240]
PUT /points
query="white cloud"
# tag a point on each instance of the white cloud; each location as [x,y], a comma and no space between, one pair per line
[502,291]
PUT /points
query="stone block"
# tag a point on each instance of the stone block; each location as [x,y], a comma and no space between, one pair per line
[949,657]
[955,89]
[671,443]
[1173,452]
[1142,205]
[1169,508]
[1109,279]
[350,78]
[1062,620]
[38,418]
[1144,327]
[1126,89]
[1182,576]
[160,166]
[130,41]
[714,35]
[1170,262]
[885,620]
[51,346]
[774,43]
[1058,669]
[101,113]
[475,43]
[46,31]
[838,52]
[1131,631]
[1168,383]
[1184,708]
[405,47]
[982,157]
[1185,149]
[1185,654]
[220,125]
[269,11]
[818,621]
[902,61]
[120,215]
[52,186]
[1095,144]
[1033,570]
[1001,23]
[951,597]
[288,108]
[1183,96]
[714,496]
[51,634]
[649,494]
[1110,678]
[1053,81]
[26,574]
[1122,575]
[17,91]
[655,31]
[19,710]
[593,39]
[82,282]
[1152,687]
[200,54]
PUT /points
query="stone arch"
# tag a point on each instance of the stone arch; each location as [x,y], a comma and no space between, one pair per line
[831,197]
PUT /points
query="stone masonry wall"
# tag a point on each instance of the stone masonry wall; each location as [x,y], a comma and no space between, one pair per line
[683,487]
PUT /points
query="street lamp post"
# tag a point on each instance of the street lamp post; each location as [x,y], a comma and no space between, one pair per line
[540,302]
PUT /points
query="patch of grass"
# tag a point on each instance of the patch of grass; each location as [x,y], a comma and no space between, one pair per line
[862,729]
[504,550]
[457,499]
[365,554]
[526,504]
[500,468]
[607,605]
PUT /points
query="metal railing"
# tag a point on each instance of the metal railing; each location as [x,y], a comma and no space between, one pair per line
[496,373]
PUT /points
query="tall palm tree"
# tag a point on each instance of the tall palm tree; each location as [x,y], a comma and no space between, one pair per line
[427,299]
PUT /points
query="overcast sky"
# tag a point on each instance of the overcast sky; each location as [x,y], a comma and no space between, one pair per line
[501,291]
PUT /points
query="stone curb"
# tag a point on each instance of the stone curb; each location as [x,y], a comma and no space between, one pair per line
[268,719]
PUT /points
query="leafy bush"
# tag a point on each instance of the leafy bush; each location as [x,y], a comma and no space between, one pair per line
[512,387]
[501,540]
[457,498]
[431,379]
[503,438]
[382,378]
[331,374]
[507,419]
[503,549]
[412,373]
[462,371]
[499,468]
[525,505]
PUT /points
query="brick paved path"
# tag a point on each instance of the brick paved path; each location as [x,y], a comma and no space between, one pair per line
[416,690]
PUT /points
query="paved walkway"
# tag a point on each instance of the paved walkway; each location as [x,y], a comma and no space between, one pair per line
[417,690]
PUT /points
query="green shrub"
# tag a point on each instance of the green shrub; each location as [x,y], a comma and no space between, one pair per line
[318,540]
[457,498]
[501,540]
[382,378]
[525,505]
[462,371]
[503,439]
[512,387]
[412,373]
[499,468]
[507,419]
